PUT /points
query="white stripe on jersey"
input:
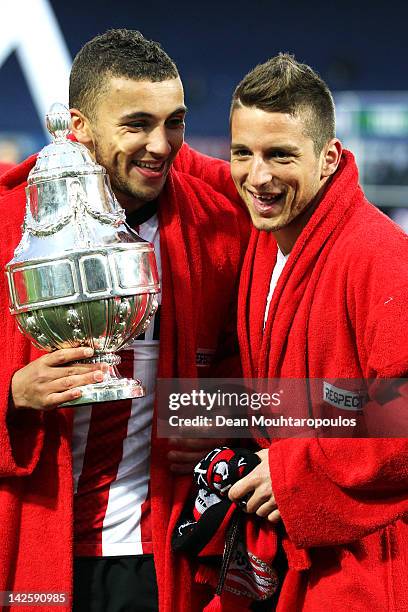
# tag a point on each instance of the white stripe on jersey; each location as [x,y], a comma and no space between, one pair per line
[121,533]
[122,529]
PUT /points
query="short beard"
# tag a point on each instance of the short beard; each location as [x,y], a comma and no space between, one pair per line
[119,186]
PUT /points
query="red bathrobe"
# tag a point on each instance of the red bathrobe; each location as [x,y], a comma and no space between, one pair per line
[339,310]
[202,239]
[5,167]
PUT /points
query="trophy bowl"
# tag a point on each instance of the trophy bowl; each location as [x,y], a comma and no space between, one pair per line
[80,276]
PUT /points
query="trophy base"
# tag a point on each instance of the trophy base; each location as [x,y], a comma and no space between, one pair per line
[110,391]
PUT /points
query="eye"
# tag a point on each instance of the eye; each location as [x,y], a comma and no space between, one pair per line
[175,122]
[241,152]
[280,155]
[137,125]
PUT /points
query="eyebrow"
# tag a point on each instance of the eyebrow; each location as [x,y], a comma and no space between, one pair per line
[144,115]
[284,147]
[238,146]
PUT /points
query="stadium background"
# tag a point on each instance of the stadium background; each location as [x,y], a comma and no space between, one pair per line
[360,48]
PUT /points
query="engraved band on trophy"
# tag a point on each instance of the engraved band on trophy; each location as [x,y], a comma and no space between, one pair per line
[80,276]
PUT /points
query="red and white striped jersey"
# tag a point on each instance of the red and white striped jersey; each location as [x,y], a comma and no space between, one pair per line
[111,452]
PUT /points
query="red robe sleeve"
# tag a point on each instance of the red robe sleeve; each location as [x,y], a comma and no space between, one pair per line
[21,432]
[214,172]
[385,334]
[5,167]
[332,491]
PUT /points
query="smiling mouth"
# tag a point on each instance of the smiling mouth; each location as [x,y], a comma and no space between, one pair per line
[150,168]
[265,202]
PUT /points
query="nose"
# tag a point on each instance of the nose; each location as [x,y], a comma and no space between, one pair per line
[259,173]
[158,143]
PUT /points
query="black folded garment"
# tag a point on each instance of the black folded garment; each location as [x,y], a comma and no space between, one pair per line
[204,513]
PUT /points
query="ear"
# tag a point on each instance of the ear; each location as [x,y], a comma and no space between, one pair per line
[331,155]
[81,128]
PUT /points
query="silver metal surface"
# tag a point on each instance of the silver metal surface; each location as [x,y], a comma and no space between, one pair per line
[80,276]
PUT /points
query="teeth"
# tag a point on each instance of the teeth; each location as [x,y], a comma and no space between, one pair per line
[266,198]
[149,166]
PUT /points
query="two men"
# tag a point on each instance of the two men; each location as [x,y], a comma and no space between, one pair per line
[330,302]
[323,294]
[113,502]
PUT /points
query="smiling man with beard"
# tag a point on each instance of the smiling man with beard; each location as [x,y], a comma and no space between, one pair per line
[112,502]
[323,295]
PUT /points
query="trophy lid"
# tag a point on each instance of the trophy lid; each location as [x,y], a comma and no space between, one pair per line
[63,157]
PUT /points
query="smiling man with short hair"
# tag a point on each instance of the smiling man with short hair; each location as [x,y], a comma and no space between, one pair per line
[323,295]
[129,110]
[283,149]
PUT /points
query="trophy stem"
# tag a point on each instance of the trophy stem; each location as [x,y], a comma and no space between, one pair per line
[112,387]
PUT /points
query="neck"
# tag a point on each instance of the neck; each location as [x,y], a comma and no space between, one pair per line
[127,202]
[287,236]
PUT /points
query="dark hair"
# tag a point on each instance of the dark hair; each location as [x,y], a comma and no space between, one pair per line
[284,85]
[117,53]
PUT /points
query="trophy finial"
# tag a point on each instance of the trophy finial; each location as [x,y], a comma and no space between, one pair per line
[58,121]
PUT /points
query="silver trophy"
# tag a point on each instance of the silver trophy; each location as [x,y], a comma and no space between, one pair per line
[80,276]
